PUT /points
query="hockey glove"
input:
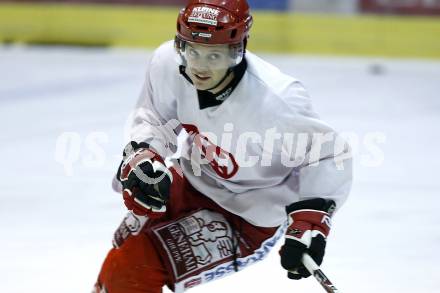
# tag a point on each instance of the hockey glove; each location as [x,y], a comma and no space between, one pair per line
[145,180]
[309,226]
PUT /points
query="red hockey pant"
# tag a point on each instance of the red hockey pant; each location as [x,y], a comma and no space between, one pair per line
[135,267]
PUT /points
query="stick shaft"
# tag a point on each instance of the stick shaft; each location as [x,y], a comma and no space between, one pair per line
[314,269]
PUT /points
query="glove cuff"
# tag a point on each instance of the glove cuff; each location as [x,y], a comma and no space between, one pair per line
[318,204]
[309,216]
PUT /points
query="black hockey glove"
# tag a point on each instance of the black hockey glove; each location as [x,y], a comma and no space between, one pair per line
[309,226]
[145,180]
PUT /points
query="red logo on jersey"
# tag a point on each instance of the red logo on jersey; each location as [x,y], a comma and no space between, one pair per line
[221,161]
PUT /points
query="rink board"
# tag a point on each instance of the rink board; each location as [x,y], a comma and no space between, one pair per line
[142,26]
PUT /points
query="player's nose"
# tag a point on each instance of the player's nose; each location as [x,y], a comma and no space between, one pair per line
[201,66]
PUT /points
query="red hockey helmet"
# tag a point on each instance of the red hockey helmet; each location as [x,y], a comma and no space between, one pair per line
[214,21]
[211,23]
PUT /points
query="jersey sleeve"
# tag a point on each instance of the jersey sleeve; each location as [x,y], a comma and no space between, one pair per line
[323,158]
[154,118]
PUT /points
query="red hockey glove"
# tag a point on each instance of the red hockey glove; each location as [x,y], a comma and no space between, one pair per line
[309,226]
[145,180]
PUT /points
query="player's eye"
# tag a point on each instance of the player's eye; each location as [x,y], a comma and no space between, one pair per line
[214,57]
[193,53]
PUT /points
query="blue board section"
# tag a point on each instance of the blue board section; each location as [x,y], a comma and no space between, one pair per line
[269,4]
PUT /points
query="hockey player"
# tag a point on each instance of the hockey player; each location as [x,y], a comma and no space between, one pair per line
[253,155]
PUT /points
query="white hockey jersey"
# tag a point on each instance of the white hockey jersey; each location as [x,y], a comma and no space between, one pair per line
[261,149]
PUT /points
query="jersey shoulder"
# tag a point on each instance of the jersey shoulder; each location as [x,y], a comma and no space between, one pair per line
[284,95]
[267,74]
[163,68]
[164,56]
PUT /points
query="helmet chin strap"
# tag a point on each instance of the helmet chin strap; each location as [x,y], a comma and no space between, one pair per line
[229,71]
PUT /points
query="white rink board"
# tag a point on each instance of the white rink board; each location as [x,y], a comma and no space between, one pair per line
[57,223]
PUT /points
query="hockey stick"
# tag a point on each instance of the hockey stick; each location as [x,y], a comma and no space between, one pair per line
[314,269]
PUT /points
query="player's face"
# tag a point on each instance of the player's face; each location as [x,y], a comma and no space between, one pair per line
[207,64]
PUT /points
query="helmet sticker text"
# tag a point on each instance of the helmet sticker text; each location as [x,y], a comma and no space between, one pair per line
[204,15]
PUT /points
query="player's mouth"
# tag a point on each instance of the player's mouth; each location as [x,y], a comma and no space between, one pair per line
[202,78]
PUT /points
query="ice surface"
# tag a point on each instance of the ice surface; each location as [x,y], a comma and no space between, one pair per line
[57,221]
